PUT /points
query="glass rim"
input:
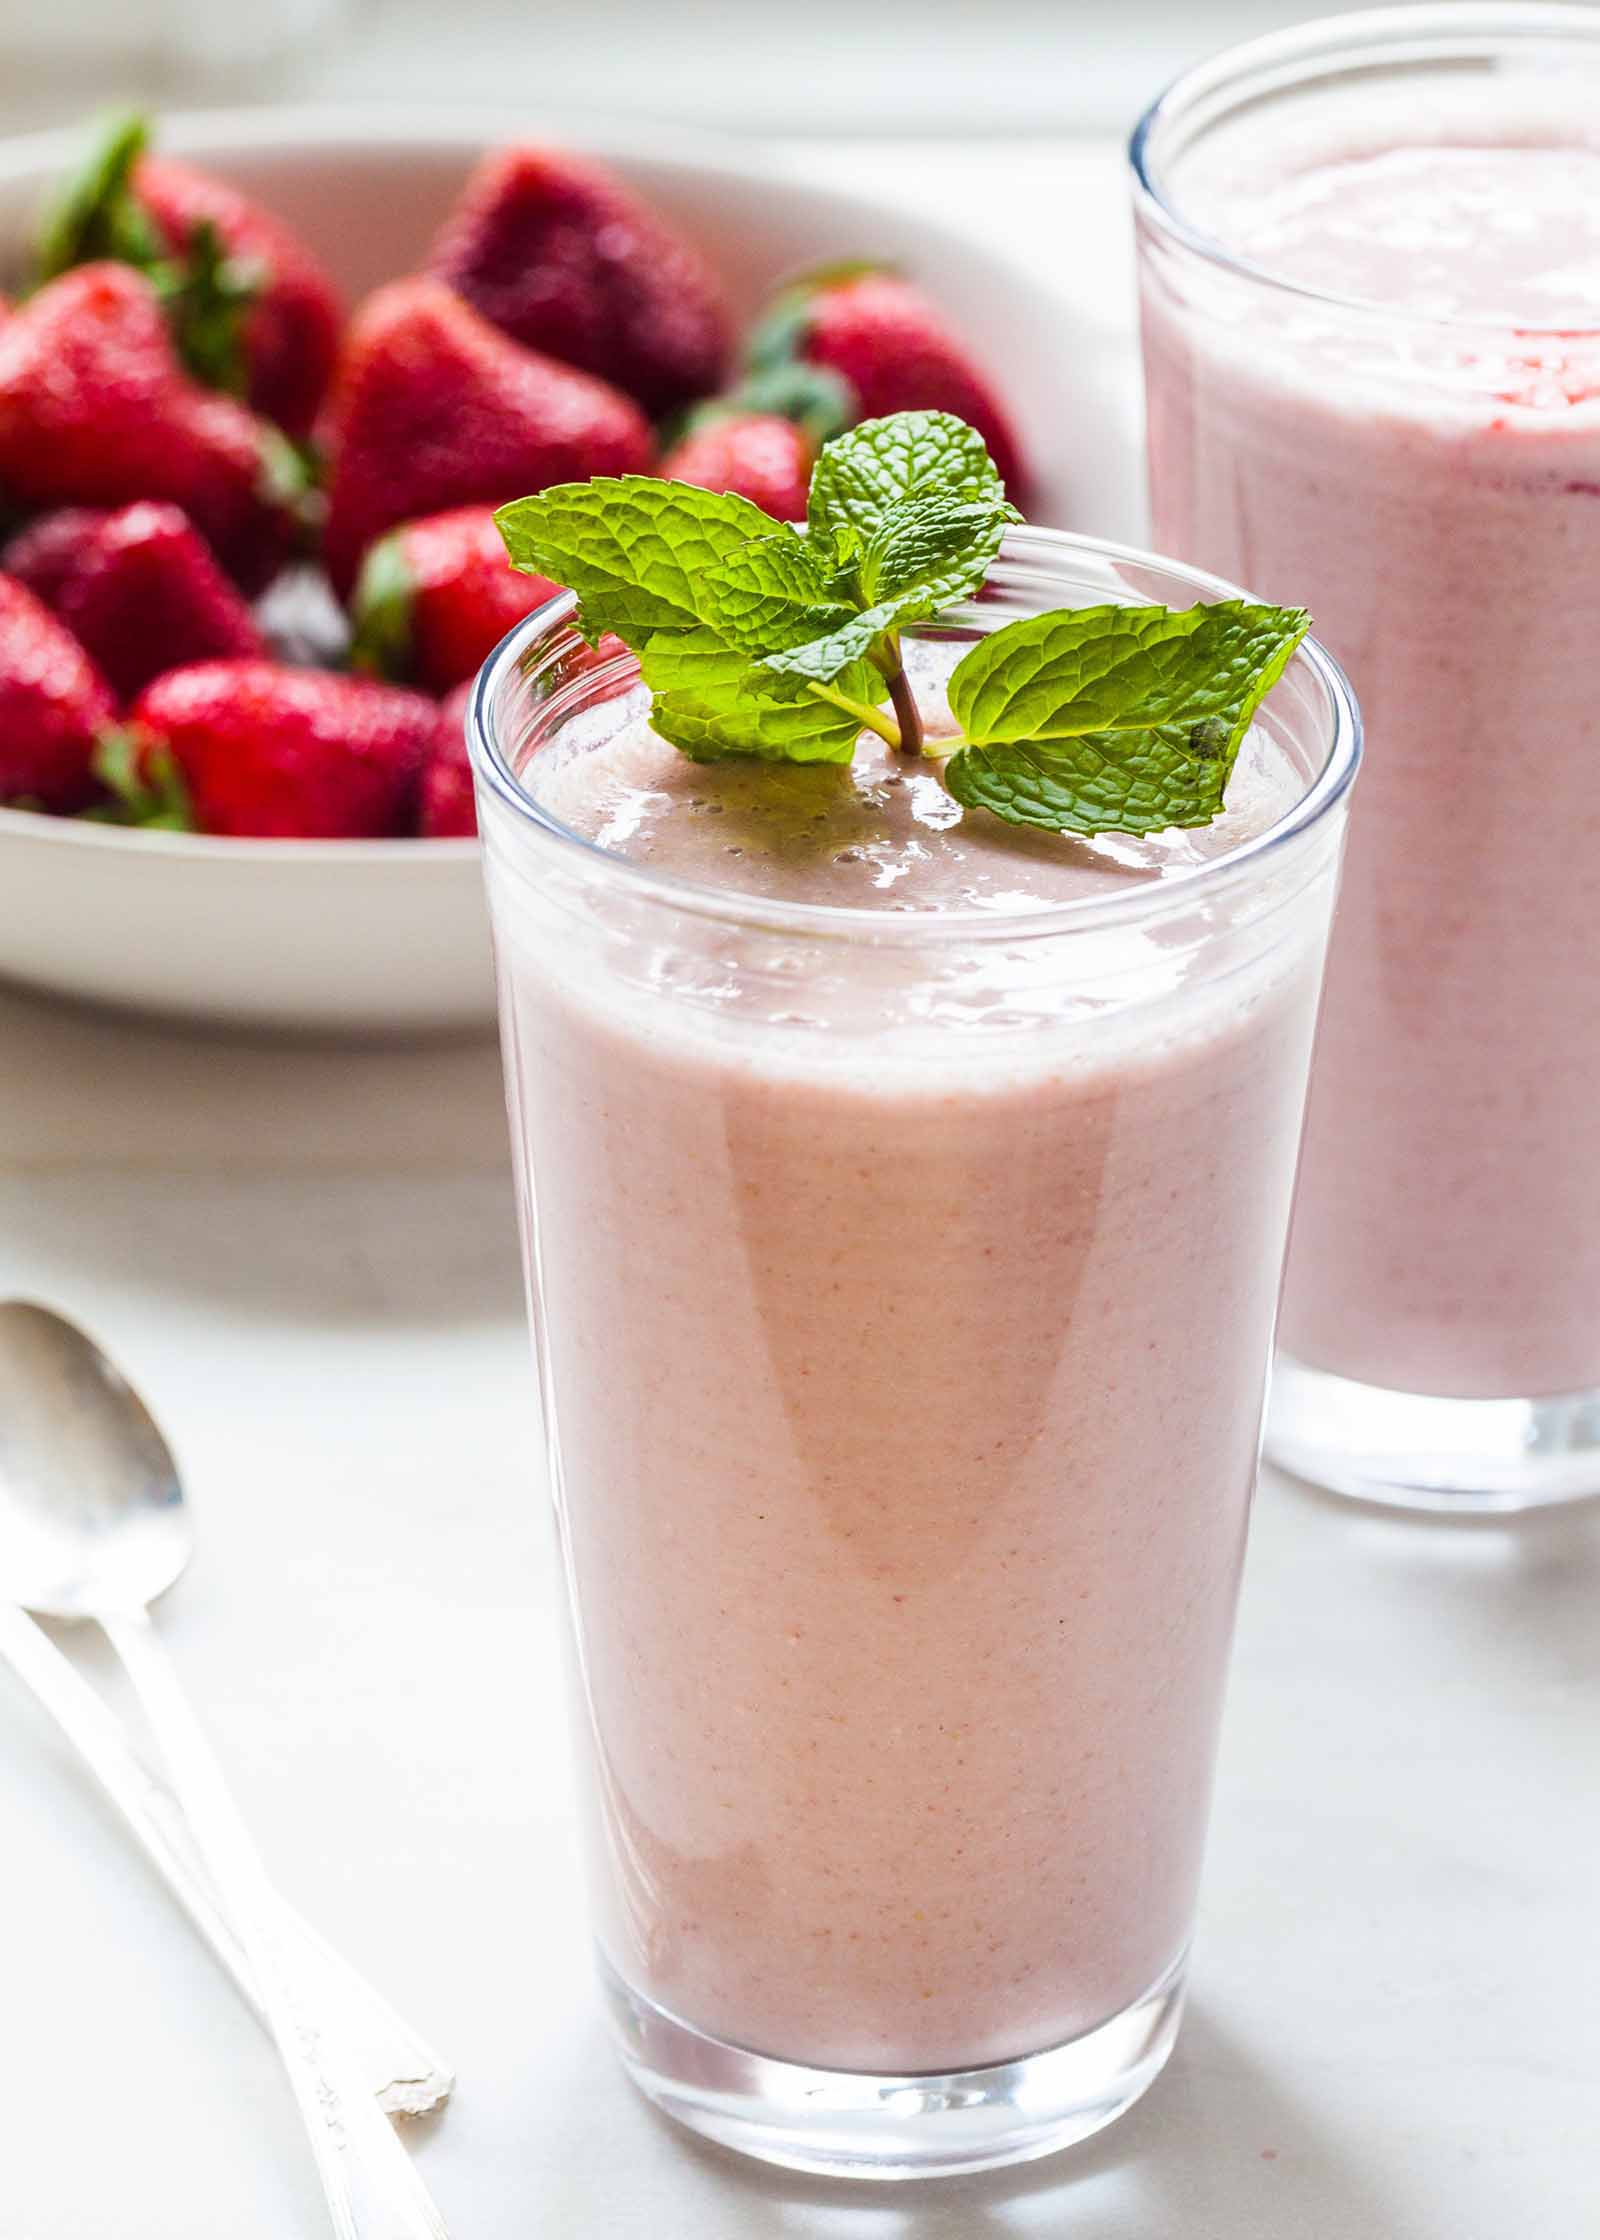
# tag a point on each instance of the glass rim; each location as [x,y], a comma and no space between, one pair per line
[913,928]
[1411,36]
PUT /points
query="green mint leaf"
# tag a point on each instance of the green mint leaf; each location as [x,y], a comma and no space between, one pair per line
[704,666]
[1109,781]
[923,554]
[935,549]
[636,550]
[96,213]
[772,730]
[712,701]
[908,455]
[1115,719]
[770,593]
[1093,669]
[823,659]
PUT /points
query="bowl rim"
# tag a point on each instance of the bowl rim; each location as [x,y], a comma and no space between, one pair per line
[376,127]
[38,826]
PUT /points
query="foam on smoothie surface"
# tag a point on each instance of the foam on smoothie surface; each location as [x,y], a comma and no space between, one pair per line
[1506,234]
[881,833]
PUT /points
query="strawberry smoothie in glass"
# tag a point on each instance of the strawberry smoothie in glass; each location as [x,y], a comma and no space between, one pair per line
[904,1199]
[1370,254]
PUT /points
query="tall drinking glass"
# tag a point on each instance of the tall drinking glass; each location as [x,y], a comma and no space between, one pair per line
[1370,262]
[902,1285]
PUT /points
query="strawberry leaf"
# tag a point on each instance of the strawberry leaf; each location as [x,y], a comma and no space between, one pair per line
[820,402]
[96,214]
[381,611]
[147,786]
[208,296]
[778,338]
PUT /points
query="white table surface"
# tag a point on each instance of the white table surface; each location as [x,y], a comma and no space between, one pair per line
[306,1257]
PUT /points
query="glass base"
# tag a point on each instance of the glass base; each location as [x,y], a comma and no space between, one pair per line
[836,2124]
[1451,1457]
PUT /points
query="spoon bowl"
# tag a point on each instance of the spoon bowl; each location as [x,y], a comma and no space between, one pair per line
[92,1515]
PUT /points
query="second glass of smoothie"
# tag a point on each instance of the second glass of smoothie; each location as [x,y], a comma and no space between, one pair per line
[1370,260]
[904,1201]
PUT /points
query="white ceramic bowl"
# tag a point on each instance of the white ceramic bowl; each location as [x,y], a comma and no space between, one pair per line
[383,936]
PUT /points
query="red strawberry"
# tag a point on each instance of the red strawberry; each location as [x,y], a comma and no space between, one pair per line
[564,258]
[448,809]
[48,551]
[95,410]
[884,338]
[291,324]
[434,408]
[55,707]
[138,589]
[435,598]
[291,754]
[756,455]
[251,308]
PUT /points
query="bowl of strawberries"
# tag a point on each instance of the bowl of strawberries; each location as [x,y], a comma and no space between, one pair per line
[264,379]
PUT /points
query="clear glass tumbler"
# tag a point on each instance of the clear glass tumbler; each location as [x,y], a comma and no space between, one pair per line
[903,1289]
[1429,485]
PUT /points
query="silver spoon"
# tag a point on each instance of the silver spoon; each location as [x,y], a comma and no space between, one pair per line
[93,1526]
[402,2070]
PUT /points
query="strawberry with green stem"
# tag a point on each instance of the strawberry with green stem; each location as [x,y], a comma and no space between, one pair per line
[95,410]
[435,597]
[252,310]
[758,641]
[886,348]
[267,752]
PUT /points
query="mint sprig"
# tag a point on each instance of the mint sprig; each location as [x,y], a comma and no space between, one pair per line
[1115,719]
[908,455]
[758,640]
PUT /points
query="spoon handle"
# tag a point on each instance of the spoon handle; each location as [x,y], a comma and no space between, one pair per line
[401,2070]
[372,2188]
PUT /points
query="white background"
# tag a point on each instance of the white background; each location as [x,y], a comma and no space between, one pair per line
[974,67]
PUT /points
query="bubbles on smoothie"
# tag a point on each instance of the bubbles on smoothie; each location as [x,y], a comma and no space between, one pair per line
[879,833]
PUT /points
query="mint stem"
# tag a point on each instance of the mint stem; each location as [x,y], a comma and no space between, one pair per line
[869,718]
[907,713]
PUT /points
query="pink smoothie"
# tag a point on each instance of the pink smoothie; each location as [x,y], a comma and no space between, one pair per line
[903,1337]
[1424,474]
